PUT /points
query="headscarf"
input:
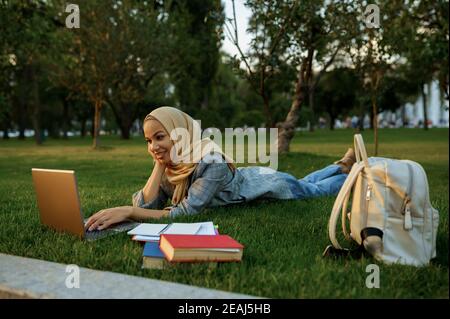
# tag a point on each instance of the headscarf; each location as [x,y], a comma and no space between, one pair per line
[187,152]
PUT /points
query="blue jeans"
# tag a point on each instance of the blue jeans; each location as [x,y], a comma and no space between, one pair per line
[325,182]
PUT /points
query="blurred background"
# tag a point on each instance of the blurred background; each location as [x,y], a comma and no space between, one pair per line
[95,68]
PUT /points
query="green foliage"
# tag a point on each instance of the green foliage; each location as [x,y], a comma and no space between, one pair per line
[135,56]
[195,27]
[333,96]
[306,116]
[420,34]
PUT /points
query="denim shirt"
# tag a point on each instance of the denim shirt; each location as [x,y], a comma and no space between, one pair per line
[212,183]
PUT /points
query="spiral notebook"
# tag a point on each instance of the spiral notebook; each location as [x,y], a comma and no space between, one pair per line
[152,232]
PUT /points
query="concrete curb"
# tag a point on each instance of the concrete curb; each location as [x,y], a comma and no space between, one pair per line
[22,277]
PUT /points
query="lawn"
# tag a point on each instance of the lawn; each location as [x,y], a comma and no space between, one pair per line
[283,240]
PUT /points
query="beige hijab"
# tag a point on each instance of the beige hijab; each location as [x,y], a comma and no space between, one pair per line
[188,147]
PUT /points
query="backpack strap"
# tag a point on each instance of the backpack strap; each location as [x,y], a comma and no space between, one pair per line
[344,217]
[371,231]
[361,157]
[373,219]
[355,253]
[360,150]
[364,249]
[341,202]
[343,195]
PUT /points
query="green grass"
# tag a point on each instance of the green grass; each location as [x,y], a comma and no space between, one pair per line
[283,240]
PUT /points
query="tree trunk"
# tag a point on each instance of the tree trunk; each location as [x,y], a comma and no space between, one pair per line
[444,84]
[22,104]
[372,120]
[53,131]
[124,118]
[332,121]
[125,128]
[83,127]
[360,127]
[92,128]
[269,119]
[21,133]
[96,124]
[36,109]
[65,117]
[404,122]
[375,123]
[311,105]
[5,127]
[425,107]
[286,129]
[205,100]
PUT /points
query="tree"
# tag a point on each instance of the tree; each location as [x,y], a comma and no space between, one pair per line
[267,25]
[138,40]
[303,34]
[333,95]
[195,38]
[373,52]
[422,38]
[27,36]
[6,95]
[112,58]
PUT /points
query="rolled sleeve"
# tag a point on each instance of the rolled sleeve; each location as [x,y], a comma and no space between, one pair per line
[157,203]
[202,190]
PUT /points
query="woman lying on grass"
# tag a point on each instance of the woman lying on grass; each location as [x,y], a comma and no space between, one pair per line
[210,179]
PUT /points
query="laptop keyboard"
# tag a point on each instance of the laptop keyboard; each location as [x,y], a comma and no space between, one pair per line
[114,229]
[95,234]
[95,231]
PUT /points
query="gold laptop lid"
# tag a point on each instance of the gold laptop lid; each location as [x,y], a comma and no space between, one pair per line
[58,201]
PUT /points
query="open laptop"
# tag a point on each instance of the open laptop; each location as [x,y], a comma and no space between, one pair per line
[59,204]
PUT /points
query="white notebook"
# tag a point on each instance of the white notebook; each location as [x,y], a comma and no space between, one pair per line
[182,229]
[206,228]
[155,230]
[148,229]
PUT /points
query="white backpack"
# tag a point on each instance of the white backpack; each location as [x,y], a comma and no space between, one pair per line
[391,216]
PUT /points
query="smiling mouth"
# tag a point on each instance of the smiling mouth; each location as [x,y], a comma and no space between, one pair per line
[159,154]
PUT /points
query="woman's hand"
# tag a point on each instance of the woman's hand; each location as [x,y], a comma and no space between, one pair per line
[107,217]
[157,161]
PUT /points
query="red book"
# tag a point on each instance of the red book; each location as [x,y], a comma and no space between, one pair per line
[200,248]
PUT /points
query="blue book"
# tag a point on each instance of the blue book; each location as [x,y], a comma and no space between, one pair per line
[151,249]
[153,257]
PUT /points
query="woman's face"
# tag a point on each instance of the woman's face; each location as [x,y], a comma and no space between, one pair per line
[158,140]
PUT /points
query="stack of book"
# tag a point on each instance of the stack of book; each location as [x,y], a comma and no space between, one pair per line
[195,248]
[185,242]
[152,256]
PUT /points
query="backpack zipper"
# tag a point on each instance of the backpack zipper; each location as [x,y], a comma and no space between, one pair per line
[406,212]
[368,195]
[406,209]
[368,192]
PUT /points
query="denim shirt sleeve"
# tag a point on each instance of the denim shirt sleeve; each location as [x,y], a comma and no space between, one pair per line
[206,182]
[157,203]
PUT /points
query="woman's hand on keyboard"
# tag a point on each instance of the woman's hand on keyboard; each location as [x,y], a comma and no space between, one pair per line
[107,217]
